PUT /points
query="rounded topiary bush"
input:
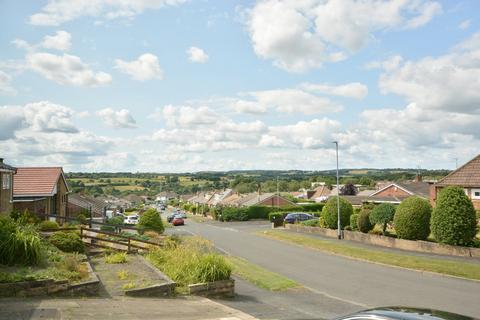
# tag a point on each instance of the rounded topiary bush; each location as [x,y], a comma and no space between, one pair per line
[353,221]
[150,220]
[48,225]
[67,241]
[382,215]
[329,213]
[453,219]
[363,221]
[412,219]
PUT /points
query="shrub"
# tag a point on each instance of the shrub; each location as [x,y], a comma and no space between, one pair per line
[21,245]
[150,220]
[234,214]
[310,223]
[383,214]
[115,221]
[81,218]
[67,241]
[276,216]
[329,213]
[412,219]
[453,219]
[363,221]
[321,223]
[115,258]
[191,261]
[24,217]
[48,225]
[259,212]
[353,221]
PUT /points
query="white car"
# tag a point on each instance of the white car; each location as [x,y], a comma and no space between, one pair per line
[133,219]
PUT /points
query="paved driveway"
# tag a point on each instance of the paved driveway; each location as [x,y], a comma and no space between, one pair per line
[341,284]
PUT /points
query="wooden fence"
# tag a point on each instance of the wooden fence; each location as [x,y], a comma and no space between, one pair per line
[116,241]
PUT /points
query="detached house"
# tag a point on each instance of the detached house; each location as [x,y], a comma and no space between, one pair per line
[41,190]
[6,187]
[467,177]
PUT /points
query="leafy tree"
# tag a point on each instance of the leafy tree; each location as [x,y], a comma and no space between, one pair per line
[330,216]
[453,219]
[348,190]
[150,220]
[383,214]
[412,219]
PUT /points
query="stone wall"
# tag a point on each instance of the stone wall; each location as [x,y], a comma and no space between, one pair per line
[389,242]
[51,287]
[223,288]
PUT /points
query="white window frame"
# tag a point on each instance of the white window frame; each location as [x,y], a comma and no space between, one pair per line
[473,193]
[6,181]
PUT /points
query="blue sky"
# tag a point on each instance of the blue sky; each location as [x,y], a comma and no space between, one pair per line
[217,85]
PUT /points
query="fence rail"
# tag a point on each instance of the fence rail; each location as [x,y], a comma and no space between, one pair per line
[126,241]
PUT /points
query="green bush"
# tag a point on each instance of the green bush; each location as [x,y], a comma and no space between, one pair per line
[363,221]
[310,223]
[329,212]
[20,244]
[150,220]
[383,214]
[412,219]
[276,216]
[259,212]
[193,260]
[353,221]
[48,225]
[314,207]
[453,219]
[67,241]
[24,217]
[234,214]
[81,218]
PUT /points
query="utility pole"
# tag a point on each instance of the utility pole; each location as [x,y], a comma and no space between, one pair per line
[278,195]
[338,197]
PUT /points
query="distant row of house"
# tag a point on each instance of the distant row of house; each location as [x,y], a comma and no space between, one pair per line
[466,176]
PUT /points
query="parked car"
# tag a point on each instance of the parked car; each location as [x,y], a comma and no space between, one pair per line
[133,219]
[171,216]
[178,221]
[404,313]
[297,217]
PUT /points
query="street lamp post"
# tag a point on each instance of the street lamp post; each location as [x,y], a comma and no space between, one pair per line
[338,197]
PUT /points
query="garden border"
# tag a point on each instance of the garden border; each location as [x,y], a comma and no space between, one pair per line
[389,242]
[221,288]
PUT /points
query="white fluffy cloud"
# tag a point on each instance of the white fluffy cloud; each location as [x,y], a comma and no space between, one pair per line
[146,67]
[45,116]
[60,41]
[449,82]
[117,119]
[11,120]
[57,12]
[66,69]
[197,55]
[5,84]
[351,90]
[300,35]
[289,100]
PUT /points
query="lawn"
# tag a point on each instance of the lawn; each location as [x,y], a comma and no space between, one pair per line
[448,267]
[259,276]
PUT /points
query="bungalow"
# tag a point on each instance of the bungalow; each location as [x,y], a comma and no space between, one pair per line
[6,190]
[41,190]
[396,192]
[263,199]
[79,203]
[467,177]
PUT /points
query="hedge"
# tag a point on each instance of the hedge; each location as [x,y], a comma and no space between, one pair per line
[412,219]
[454,219]
[353,221]
[363,221]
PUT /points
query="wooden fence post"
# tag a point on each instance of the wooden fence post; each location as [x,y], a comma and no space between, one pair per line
[128,250]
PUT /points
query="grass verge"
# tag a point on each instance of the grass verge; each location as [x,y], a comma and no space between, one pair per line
[259,276]
[448,267]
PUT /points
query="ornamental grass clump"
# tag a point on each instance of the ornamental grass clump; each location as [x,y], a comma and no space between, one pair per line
[19,244]
[190,261]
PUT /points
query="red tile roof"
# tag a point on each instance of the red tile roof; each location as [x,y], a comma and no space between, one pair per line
[467,175]
[35,181]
